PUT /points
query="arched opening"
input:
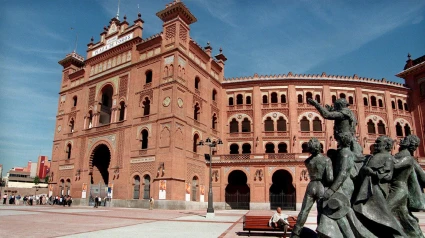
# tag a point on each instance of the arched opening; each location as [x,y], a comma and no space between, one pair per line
[406,108]
[237,194]
[146,107]
[265,100]
[148,76]
[197,82]
[195,143]
[136,187]
[269,124]
[400,104]
[304,148]
[282,192]
[146,187]
[273,97]
[373,101]
[75,101]
[234,126]
[246,148]
[305,124]
[234,149]
[282,148]
[317,98]
[71,125]
[270,148]
[393,104]
[231,101]
[308,95]
[214,95]
[68,187]
[407,131]
[122,111]
[281,124]
[317,124]
[194,188]
[398,129]
[239,99]
[68,151]
[350,100]
[283,98]
[342,95]
[106,105]
[381,128]
[100,163]
[321,148]
[248,100]
[365,101]
[380,103]
[196,111]
[246,125]
[214,122]
[144,139]
[333,98]
[90,120]
[62,186]
[371,127]
[300,98]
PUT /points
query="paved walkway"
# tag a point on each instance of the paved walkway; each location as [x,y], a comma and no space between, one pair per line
[59,221]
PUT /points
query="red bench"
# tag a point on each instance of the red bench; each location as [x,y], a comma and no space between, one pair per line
[261,223]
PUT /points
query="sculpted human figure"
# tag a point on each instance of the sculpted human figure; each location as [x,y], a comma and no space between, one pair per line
[320,171]
[369,202]
[405,193]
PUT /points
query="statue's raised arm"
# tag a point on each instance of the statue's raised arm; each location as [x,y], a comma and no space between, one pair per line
[326,111]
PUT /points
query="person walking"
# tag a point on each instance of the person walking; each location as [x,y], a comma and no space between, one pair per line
[96,201]
[4,198]
[151,203]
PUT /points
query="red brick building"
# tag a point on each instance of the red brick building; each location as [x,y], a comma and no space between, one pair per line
[131,114]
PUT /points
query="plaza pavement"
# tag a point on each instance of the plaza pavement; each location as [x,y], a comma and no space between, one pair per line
[81,221]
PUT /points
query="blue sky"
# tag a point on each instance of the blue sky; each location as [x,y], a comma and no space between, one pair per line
[367,38]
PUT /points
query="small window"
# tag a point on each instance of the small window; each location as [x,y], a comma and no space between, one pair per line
[268,124]
[371,127]
[214,121]
[342,95]
[281,124]
[283,98]
[381,128]
[246,125]
[197,82]
[304,148]
[71,125]
[234,149]
[380,103]
[75,101]
[300,98]
[350,100]
[246,148]
[400,104]
[196,111]
[248,100]
[148,75]
[333,98]
[398,129]
[373,101]
[265,100]
[231,101]
[317,98]
[407,131]
[214,95]
[239,99]
[406,108]
[282,148]
[393,104]
[68,151]
[270,148]
[234,126]
[365,101]
[305,124]
[146,107]
[317,124]
[122,111]
[144,139]
[308,96]
[273,97]
[195,142]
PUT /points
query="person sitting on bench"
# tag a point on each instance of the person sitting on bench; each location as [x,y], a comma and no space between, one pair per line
[279,220]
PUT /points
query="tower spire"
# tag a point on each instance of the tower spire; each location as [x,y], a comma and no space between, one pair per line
[118,12]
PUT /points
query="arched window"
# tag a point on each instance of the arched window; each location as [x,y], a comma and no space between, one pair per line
[68,187]
[406,108]
[281,124]
[350,100]
[122,111]
[62,186]
[305,124]
[321,148]
[407,131]
[214,95]
[380,103]
[300,98]
[246,125]
[68,151]
[317,98]
[381,128]
[147,187]
[90,120]
[194,188]
[196,111]
[393,104]
[270,148]
[239,99]
[71,125]
[214,121]
[248,100]
[304,148]
[373,101]
[148,75]
[269,124]
[146,106]
[273,97]
[400,104]
[136,188]
[234,149]
[398,129]
[371,127]
[317,124]
[365,101]
[106,105]
[231,101]
[265,99]
[234,126]
[333,98]
[282,148]
[342,95]
[145,139]
[75,101]
[308,95]
[197,82]
[283,98]
[195,142]
[246,148]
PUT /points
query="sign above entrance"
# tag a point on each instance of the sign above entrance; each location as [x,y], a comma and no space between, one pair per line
[111,43]
[66,167]
[142,160]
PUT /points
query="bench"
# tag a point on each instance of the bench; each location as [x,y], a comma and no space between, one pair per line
[261,223]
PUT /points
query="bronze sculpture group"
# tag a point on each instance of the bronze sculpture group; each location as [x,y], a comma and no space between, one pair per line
[362,195]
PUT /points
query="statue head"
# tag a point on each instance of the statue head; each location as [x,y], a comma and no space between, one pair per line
[344,139]
[410,142]
[340,103]
[383,143]
[314,146]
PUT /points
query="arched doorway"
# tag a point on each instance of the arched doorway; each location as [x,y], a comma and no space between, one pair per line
[282,192]
[237,191]
[136,188]
[101,159]
[147,187]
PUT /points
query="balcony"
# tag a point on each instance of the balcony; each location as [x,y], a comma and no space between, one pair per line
[275,133]
[243,158]
[241,135]
[309,134]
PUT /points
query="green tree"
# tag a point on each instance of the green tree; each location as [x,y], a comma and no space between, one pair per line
[36,180]
[46,179]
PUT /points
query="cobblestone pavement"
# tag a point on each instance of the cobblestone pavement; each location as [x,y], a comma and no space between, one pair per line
[58,221]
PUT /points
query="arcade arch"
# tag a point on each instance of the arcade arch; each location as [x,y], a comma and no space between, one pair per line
[282,191]
[237,192]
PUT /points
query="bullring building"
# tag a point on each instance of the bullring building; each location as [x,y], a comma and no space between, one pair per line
[132,112]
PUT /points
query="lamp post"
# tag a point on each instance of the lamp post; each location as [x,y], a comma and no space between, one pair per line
[210,209]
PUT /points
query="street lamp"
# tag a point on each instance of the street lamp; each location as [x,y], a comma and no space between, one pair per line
[210,209]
